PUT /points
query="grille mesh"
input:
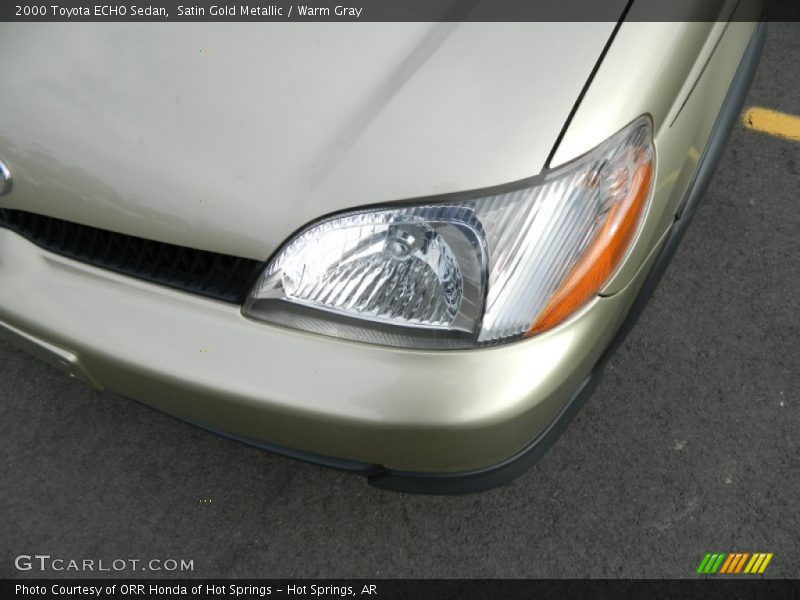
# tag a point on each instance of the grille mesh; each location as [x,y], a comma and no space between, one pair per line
[218,276]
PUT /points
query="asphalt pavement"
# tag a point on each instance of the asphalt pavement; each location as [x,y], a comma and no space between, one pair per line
[690,445]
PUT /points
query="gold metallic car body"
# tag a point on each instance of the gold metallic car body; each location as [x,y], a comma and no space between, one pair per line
[374,408]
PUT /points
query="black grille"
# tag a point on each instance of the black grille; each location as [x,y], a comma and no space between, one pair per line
[218,276]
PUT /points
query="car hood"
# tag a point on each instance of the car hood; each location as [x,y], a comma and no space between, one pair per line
[229,137]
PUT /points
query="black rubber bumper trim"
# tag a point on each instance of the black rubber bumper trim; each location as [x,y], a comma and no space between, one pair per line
[329,462]
[483,479]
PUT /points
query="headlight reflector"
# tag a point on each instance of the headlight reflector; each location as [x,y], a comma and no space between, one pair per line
[416,266]
[459,273]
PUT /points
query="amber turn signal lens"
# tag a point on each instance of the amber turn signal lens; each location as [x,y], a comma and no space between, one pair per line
[602,256]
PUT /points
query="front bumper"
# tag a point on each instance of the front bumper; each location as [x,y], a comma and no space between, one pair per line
[202,361]
[412,420]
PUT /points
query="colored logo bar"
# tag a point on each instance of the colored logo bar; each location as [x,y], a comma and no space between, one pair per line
[734,562]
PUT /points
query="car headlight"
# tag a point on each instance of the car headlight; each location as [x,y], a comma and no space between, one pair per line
[468,270]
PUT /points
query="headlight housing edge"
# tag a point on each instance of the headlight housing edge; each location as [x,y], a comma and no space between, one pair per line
[470,269]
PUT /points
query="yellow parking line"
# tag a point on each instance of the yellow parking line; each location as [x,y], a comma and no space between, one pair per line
[772,122]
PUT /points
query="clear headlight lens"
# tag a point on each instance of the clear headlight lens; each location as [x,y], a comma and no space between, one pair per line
[461,273]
